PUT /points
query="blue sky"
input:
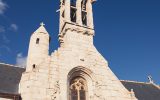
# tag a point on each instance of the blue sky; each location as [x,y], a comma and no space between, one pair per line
[127,33]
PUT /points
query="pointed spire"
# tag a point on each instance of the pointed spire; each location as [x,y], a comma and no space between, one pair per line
[41,29]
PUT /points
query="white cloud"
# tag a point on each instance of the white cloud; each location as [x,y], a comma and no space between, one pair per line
[13,27]
[21,60]
[3,7]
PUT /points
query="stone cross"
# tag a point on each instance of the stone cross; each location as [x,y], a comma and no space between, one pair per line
[42,24]
[150,79]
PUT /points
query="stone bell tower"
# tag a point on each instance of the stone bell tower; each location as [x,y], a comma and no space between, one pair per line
[76,15]
[76,70]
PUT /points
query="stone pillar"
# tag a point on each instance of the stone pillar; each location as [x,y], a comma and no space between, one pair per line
[79,12]
[67,10]
[61,20]
[89,14]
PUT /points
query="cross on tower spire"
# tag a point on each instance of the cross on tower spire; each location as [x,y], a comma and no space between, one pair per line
[42,24]
[150,79]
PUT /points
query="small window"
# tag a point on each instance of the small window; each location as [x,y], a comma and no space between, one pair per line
[84,18]
[84,12]
[37,41]
[34,66]
[73,9]
[63,14]
[73,14]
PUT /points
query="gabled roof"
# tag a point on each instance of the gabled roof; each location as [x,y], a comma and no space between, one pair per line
[10,76]
[143,91]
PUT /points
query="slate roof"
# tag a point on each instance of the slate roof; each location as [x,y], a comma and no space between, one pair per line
[143,91]
[9,78]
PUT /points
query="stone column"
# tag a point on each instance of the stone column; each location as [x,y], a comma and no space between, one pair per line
[79,12]
[67,10]
[89,14]
[61,20]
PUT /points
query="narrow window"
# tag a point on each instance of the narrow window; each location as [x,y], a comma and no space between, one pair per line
[63,14]
[73,14]
[84,18]
[78,89]
[84,12]
[34,66]
[37,41]
[73,11]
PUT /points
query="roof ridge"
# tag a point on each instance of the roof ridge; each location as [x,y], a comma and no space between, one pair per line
[157,86]
[10,65]
[135,82]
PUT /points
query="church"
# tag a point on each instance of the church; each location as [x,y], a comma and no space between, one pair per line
[75,71]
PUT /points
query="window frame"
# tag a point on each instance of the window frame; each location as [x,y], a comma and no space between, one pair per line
[78,85]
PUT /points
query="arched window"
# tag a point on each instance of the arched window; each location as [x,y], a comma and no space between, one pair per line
[73,10]
[78,89]
[84,12]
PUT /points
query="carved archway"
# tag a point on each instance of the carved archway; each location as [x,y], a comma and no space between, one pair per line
[80,84]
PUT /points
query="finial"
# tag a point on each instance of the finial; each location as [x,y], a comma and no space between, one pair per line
[42,24]
[150,79]
[132,93]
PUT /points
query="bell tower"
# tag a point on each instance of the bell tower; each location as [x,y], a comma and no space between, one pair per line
[76,15]
[76,70]
[78,12]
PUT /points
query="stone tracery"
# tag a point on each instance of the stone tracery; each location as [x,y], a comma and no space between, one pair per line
[78,89]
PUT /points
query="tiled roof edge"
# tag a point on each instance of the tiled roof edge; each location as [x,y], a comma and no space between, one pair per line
[141,83]
[135,82]
[11,65]
[156,85]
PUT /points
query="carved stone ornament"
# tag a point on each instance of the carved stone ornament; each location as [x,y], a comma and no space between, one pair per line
[56,91]
[97,92]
